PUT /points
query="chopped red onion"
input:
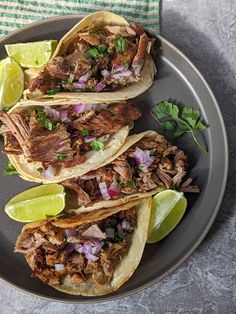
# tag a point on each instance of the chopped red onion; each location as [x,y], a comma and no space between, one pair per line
[79,248]
[105,73]
[119,75]
[53,113]
[59,267]
[70,247]
[64,116]
[49,172]
[89,138]
[79,85]
[114,190]
[137,66]
[80,108]
[118,68]
[104,191]
[91,257]
[104,138]
[70,232]
[100,86]
[96,246]
[86,247]
[125,224]
[143,158]
[110,232]
[84,78]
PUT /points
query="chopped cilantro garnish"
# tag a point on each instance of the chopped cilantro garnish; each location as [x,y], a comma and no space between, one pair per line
[48,124]
[101,48]
[152,151]
[40,113]
[121,44]
[9,170]
[85,132]
[61,156]
[69,80]
[97,145]
[130,184]
[54,90]
[93,53]
[40,169]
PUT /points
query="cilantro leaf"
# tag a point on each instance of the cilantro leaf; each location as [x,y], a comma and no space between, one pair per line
[101,48]
[93,53]
[69,80]
[97,145]
[190,115]
[48,124]
[166,109]
[180,120]
[40,169]
[54,90]
[61,156]
[121,45]
[130,184]
[85,132]
[9,170]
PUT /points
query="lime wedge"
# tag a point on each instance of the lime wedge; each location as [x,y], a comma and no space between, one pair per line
[11,83]
[37,203]
[32,55]
[168,207]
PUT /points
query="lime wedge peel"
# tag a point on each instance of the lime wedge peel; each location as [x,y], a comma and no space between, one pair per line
[11,82]
[36,203]
[33,54]
[168,208]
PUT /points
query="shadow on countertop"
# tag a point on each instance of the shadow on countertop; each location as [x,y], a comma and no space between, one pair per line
[222,79]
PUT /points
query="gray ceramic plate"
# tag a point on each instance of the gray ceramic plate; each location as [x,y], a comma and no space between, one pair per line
[177,79]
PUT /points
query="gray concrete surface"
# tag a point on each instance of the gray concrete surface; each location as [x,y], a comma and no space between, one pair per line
[205,30]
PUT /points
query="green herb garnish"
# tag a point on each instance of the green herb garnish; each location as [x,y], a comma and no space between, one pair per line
[152,151]
[68,81]
[48,124]
[85,132]
[40,169]
[97,145]
[9,170]
[130,184]
[101,48]
[54,90]
[93,53]
[61,156]
[121,44]
[180,121]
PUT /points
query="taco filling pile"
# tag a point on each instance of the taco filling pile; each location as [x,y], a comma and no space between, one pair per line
[98,59]
[149,164]
[88,254]
[60,136]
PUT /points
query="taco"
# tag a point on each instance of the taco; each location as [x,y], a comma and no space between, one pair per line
[89,254]
[54,141]
[146,164]
[103,57]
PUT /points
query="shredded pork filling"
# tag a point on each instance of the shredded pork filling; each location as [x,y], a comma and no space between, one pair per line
[61,135]
[98,59]
[167,170]
[91,250]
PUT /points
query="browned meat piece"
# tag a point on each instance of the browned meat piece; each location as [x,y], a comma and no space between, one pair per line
[92,267]
[111,256]
[94,232]
[180,166]
[75,263]
[28,242]
[123,31]
[130,215]
[54,142]
[83,197]
[76,278]
[122,166]
[92,38]
[77,159]
[58,68]
[165,178]
[126,57]
[187,187]
[100,278]
[49,247]
[77,44]
[137,28]
[77,63]
[142,48]
[52,259]
[12,145]
[44,82]
[148,183]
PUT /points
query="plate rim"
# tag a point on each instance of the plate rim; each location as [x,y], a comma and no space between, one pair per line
[213,216]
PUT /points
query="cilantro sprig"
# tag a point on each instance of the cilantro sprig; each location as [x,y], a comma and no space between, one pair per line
[9,170]
[180,120]
[97,145]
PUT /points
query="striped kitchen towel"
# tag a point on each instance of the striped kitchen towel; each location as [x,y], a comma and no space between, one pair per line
[17,13]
